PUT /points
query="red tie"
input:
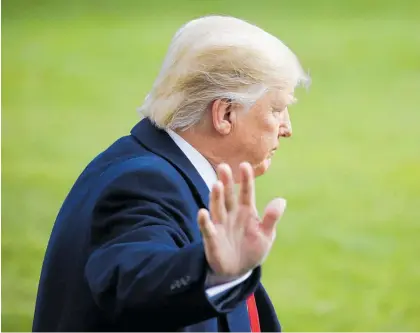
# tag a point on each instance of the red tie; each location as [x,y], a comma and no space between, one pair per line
[253,314]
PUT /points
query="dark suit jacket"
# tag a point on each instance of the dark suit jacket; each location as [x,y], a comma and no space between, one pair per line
[125,253]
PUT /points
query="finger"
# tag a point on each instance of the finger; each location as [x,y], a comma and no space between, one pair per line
[207,227]
[247,191]
[209,233]
[224,173]
[273,212]
[217,203]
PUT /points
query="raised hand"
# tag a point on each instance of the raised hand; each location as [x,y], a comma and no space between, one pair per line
[235,239]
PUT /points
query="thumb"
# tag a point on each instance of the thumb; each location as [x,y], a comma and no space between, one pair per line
[273,212]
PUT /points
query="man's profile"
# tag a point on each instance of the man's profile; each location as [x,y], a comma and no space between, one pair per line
[152,236]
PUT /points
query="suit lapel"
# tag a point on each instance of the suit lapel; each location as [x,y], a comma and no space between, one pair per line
[160,143]
[267,314]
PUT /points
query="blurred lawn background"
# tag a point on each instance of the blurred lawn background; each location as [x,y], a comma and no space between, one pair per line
[347,256]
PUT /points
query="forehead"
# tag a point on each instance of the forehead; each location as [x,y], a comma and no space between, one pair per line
[282,97]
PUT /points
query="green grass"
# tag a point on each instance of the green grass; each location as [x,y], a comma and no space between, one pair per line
[347,256]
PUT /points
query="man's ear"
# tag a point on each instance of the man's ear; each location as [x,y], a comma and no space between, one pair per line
[221,111]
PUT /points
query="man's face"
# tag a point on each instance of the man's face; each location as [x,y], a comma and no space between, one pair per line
[256,133]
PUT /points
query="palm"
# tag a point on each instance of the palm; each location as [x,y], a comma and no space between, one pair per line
[236,240]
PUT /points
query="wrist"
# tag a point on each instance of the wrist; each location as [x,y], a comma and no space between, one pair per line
[214,279]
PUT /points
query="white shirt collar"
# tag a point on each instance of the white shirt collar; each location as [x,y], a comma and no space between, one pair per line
[200,163]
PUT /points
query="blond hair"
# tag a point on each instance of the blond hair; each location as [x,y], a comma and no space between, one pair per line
[218,57]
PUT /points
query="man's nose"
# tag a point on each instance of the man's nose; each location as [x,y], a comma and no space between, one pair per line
[285,127]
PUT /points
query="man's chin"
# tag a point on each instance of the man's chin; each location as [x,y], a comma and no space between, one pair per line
[262,168]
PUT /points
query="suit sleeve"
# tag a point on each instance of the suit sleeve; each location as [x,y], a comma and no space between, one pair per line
[142,264]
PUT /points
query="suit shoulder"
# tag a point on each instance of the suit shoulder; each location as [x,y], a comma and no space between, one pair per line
[125,158]
[144,172]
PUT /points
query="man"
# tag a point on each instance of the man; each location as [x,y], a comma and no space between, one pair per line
[152,236]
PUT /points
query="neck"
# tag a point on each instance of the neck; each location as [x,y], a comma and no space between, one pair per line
[214,147]
[207,144]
